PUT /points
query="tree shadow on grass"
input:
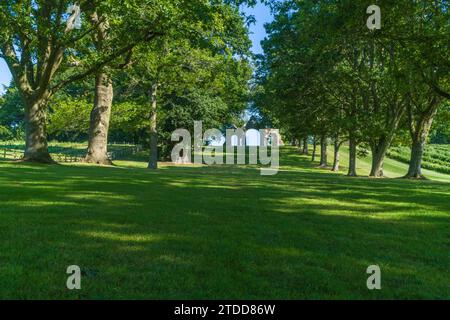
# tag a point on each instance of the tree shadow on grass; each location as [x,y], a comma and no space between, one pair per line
[191,233]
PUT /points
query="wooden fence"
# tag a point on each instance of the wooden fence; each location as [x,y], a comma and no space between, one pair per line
[11,154]
[8,153]
[124,152]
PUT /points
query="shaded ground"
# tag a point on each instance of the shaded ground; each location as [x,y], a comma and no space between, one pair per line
[220,233]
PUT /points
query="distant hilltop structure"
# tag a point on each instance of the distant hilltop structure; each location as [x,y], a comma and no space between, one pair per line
[253,135]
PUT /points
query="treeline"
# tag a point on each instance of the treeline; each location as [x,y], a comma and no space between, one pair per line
[127,70]
[325,75]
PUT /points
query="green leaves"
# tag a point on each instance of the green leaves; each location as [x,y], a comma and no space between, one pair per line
[199,55]
[324,70]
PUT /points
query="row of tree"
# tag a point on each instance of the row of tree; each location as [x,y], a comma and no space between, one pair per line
[325,74]
[164,63]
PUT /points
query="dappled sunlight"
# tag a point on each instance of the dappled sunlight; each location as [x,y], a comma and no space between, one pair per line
[186,184]
[155,150]
[109,225]
[197,229]
[107,235]
[100,196]
[39,203]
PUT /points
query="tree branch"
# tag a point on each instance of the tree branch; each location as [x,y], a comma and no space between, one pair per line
[94,68]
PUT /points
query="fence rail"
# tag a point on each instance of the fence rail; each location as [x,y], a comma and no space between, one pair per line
[14,153]
[125,152]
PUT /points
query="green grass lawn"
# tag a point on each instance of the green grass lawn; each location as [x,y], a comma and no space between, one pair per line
[222,232]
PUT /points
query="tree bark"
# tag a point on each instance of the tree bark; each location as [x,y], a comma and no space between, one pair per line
[153,163]
[36,147]
[378,154]
[419,130]
[101,113]
[99,122]
[380,145]
[336,160]
[314,149]
[415,163]
[352,157]
[305,145]
[323,152]
[34,61]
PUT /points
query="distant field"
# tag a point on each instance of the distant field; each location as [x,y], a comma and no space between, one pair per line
[436,157]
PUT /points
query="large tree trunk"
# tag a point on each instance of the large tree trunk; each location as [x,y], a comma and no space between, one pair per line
[378,154]
[99,123]
[100,115]
[323,152]
[352,157]
[153,163]
[336,158]
[415,163]
[419,128]
[36,148]
[377,170]
[419,134]
[314,149]
[381,145]
[305,145]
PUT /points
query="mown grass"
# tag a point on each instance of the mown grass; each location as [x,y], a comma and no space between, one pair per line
[221,232]
[392,168]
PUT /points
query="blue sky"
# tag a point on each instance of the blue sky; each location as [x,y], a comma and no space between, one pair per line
[260,12]
[5,75]
[257,31]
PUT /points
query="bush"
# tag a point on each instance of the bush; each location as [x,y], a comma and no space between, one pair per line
[6,133]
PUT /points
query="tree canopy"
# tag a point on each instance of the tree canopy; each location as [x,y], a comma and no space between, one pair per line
[325,73]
